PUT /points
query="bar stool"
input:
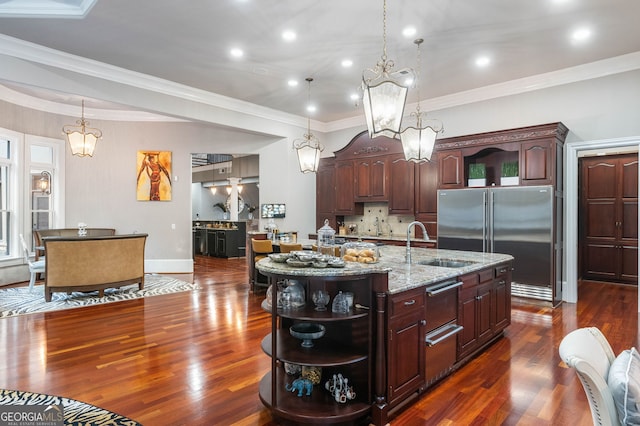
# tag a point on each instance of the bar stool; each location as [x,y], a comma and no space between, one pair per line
[289,247]
[259,250]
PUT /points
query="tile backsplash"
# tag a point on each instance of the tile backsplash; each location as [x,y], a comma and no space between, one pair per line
[376,219]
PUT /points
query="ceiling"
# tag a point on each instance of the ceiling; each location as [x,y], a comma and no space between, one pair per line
[190,45]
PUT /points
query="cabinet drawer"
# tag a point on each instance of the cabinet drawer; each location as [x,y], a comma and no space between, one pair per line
[469,280]
[486,275]
[501,270]
[407,302]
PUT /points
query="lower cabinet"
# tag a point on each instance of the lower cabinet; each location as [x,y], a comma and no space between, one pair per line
[484,308]
[406,363]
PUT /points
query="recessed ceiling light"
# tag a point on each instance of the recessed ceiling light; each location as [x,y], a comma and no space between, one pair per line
[236,52]
[409,31]
[581,34]
[292,83]
[289,35]
[311,108]
[354,96]
[347,63]
[483,61]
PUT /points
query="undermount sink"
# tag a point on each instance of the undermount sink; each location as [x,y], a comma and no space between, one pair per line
[446,263]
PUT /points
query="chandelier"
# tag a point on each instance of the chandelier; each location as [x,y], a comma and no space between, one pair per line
[384,92]
[308,148]
[418,142]
[82,139]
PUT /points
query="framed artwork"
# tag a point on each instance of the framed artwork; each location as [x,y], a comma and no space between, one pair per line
[154,176]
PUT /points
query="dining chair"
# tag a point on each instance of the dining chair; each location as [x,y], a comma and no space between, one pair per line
[35,266]
[259,249]
[289,247]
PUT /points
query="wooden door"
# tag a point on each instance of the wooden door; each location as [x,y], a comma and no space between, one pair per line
[609,218]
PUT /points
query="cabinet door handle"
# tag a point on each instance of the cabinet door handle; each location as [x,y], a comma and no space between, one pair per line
[502,282]
[478,297]
[423,322]
[409,302]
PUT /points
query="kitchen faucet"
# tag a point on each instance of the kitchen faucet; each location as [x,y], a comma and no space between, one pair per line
[425,237]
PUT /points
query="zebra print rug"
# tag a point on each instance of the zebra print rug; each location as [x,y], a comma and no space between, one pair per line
[19,300]
[75,412]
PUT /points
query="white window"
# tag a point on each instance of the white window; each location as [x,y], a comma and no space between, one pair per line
[24,203]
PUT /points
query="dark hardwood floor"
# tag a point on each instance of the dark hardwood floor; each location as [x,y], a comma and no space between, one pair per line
[195,358]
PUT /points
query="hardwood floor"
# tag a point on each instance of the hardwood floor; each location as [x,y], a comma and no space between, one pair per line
[195,359]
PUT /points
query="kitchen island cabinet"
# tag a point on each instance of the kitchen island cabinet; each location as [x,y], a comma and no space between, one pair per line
[407,323]
[388,346]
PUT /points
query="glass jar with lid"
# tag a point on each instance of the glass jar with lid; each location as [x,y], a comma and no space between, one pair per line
[326,239]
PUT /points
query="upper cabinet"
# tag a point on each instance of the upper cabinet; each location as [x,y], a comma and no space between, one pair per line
[344,189]
[450,169]
[325,192]
[401,185]
[534,153]
[371,179]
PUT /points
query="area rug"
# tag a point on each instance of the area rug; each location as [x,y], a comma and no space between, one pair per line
[19,300]
[74,412]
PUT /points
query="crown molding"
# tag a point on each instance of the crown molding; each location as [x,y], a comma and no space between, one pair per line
[35,53]
[32,102]
[46,8]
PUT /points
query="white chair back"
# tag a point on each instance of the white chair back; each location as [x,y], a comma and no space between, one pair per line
[588,351]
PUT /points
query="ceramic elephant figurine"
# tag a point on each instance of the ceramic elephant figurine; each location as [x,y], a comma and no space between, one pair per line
[300,385]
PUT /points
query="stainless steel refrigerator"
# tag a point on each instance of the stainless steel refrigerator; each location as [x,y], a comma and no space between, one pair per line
[514,220]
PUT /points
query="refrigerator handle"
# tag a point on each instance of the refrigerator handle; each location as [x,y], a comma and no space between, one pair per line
[490,222]
[484,221]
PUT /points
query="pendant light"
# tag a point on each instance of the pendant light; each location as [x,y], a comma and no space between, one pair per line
[418,142]
[82,139]
[308,148]
[384,92]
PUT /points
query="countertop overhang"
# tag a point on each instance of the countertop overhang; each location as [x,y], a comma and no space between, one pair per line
[401,275]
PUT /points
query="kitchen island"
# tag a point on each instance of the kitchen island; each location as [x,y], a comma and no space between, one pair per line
[410,326]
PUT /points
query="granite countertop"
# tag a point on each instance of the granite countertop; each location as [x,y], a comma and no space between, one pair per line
[402,276]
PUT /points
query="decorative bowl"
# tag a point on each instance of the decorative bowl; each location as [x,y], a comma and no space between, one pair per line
[307,332]
[279,257]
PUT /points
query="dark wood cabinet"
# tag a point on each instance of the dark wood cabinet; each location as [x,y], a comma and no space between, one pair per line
[401,186]
[426,197]
[609,218]
[344,175]
[484,308]
[406,363]
[502,298]
[326,193]
[371,180]
[538,150]
[450,169]
[536,163]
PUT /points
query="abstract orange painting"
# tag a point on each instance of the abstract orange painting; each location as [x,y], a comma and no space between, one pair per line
[154,176]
